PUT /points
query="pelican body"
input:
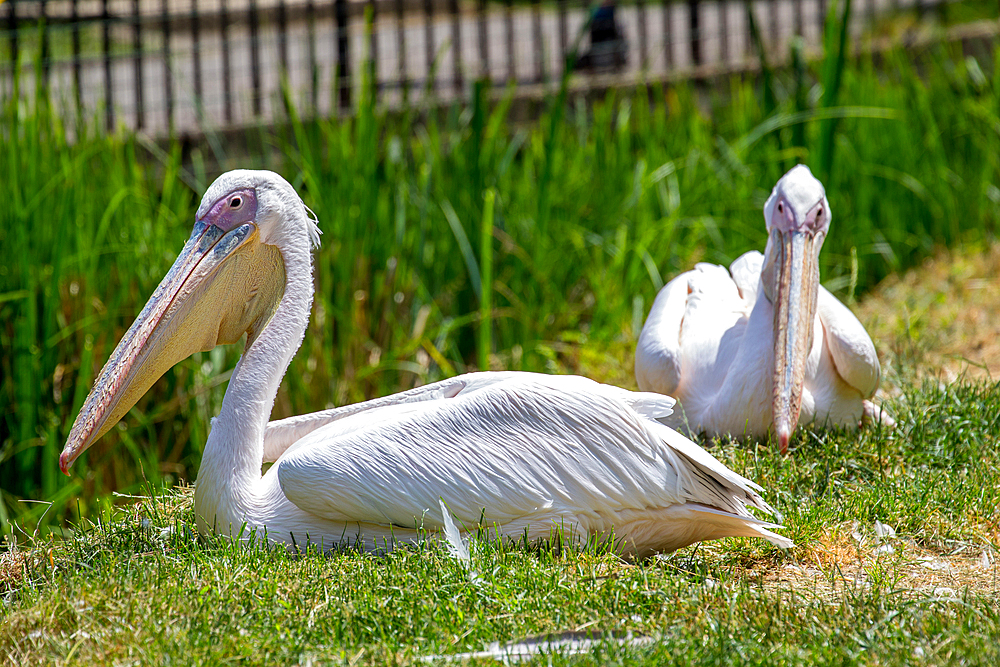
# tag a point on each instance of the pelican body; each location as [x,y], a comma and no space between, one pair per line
[519,452]
[762,346]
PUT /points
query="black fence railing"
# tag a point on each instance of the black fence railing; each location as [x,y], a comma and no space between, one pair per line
[188,65]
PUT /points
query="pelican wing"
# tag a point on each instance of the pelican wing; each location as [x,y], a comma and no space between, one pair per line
[746,274]
[282,433]
[514,451]
[658,352]
[850,345]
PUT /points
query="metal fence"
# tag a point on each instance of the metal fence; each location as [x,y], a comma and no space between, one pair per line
[189,65]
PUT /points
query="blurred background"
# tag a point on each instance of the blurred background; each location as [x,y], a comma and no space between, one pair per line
[622,142]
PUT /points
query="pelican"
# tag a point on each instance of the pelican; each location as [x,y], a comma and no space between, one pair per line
[762,346]
[522,453]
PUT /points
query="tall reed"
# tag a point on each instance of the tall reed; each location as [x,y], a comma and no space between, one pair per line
[595,207]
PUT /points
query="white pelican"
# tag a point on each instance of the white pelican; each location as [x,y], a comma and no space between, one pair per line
[521,452]
[736,348]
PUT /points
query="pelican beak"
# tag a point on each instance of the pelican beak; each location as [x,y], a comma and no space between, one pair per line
[214,292]
[794,286]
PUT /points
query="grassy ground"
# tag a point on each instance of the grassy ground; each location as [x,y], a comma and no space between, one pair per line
[897,532]
[596,206]
[897,538]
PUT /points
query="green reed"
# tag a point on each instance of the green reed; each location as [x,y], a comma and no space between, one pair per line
[596,205]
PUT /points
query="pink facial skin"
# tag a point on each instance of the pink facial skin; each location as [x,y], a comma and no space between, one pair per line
[236,208]
[785,219]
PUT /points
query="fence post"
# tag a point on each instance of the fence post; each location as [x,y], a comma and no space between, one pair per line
[343,48]
[484,42]
[109,98]
[227,85]
[46,49]
[401,52]
[12,26]
[77,93]
[695,32]
[724,23]
[372,63]
[137,63]
[283,38]
[563,38]
[168,83]
[255,57]
[668,34]
[313,67]
[511,62]
[640,8]
[456,45]
[536,20]
[428,44]
[199,101]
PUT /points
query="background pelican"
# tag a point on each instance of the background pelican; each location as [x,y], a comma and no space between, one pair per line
[737,348]
[521,451]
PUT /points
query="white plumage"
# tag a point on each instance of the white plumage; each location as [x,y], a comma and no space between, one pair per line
[711,336]
[521,452]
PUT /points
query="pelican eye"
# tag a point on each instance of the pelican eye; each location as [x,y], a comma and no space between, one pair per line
[236,202]
[781,208]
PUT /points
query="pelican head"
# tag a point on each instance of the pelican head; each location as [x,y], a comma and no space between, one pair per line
[226,282]
[798,217]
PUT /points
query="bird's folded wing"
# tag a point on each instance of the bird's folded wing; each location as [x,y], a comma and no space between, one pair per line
[281,434]
[850,345]
[528,447]
[658,352]
[746,274]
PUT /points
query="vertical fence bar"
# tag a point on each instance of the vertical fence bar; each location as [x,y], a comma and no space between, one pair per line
[255,57]
[694,32]
[137,63]
[313,66]
[227,84]
[77,92]
[199,94]
[563,38]
[401,41]
[724,31]
[484,42]
[12,27]
[774,29]
[429,43]
[283,38]
[168,84]
[536,21]
[509,20]
[46,46]
[799,22]
[109,97]
[821,17]
[640,9]
[373,50]
[343,70]
[668,34]
[456,46]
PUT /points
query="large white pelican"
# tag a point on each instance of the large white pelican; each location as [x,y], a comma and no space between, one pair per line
[525,453]
[737,348]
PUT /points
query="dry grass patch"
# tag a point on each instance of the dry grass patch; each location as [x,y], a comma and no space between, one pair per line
[851,558]
[941,318]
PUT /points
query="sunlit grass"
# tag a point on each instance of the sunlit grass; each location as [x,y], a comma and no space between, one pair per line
[137,585]
[595,207]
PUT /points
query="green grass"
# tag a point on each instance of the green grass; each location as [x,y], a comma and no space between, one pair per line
[136,585]
[594,208]
[558,234]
